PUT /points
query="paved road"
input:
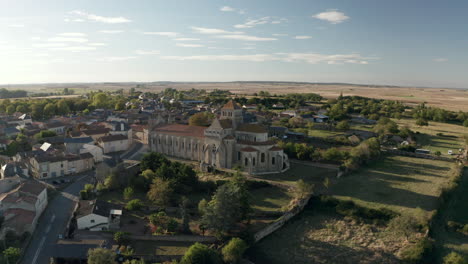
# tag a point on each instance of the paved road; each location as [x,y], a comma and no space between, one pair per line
[53,222]
[136,147]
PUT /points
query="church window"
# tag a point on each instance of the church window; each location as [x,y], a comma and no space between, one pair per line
[262,157]
[246,162]
[238,155]
[183,144]
[272,160]
[253,161]
[159,140]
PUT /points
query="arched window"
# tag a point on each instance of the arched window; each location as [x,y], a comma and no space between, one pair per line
[246,162]
[238,155]
[272,160]
[262,157]
[253,161]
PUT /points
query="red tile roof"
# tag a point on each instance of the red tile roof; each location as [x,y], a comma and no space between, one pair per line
[232,105]
[32,187]
[182,130]
[253,128]
[249,149]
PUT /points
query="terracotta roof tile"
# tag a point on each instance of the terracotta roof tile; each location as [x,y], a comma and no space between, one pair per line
[253,128]
[232,105]
[182,130]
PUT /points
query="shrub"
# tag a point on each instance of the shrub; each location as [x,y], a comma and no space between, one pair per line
[134,205]
[83,195]
[233,251]
[121,238]
[417,252]
[455,258]
[199,253]
[128,193]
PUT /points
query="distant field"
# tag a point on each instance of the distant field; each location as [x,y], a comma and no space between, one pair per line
[451,138]
[452,99]
[398,183]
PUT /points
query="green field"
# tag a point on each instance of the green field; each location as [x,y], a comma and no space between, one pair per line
[311,174]
[402,184]
[456,210]
[451,138]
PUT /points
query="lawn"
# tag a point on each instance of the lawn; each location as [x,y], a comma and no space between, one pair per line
[402,184]
[324,133]
[451,138]
[160,247]
[310,174]
[270,199]
[456,210]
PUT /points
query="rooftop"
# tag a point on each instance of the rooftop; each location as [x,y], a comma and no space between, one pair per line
[182,130]
[252,128]
[113,138]
[232,105]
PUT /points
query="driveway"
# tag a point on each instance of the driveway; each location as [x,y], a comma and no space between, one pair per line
[53,222]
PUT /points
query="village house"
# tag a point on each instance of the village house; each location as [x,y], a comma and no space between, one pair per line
[98,215]
[45,166]
[113,143]
[22,206]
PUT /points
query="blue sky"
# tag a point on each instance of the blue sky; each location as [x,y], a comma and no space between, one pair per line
[398,42]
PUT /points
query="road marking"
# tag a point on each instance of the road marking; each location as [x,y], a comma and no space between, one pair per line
[38,250]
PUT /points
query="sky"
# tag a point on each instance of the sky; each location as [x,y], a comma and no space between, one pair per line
[398,42]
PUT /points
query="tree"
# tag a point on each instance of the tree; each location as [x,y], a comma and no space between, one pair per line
[229,205]
[437,153]
[100,100]
[455,258]
[45,134]
[200,254]
[422,122]
[101,256]
[134,261]
[134,205]
[10,109]
[112,182]
[128,193]
[465,123]
[152,161]
[161,192]
[234,250]
[343,125]
[49,110]
[162,223]
[62,107]
[201,119]
[121,238]
[12,254]
[183,206]
[303,188]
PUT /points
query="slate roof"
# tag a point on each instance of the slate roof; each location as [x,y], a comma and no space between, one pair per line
[98,207]
[80,140]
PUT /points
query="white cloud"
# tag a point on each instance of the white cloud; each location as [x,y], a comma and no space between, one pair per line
[187,39]
[96,44]
[49,45]
[68,39]
[441,60]
[213,31]
[250,23]
[279,35]
[165,34]
[35,38]
[102,19]
[246,38]
[255,57]
[111,31]
[113,59]
[227,9]
[147,52]
[332,16]
[16,26]
[72,34]
[76,48]
[312,58]
[302,37]
[73,20]
[232,9]
[185,45]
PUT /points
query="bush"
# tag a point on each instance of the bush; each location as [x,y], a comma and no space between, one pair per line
[199,253]
[121,238]
[417,252]
[455,258]
[83,195]
[134,205]
[234,250]
[343,125]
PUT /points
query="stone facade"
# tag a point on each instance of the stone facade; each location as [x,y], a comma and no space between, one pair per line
[226,143]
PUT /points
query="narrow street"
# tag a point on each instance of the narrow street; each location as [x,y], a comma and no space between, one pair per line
[53,222]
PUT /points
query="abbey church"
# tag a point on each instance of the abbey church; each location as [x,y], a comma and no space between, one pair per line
[226,143]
